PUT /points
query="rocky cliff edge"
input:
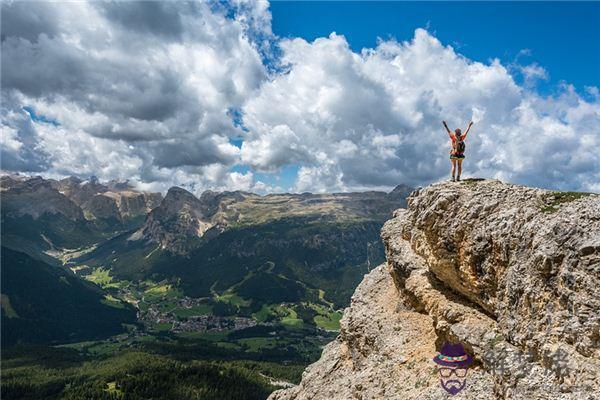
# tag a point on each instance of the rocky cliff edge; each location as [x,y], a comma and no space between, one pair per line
[509,271]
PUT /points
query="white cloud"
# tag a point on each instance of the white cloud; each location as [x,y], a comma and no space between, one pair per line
[267,152]
[532,73]
[136,87]
[153,102]
[10,140]
[215,177]
[374,119]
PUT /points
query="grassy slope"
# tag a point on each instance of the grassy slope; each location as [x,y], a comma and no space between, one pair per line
[54,305]
[320,255]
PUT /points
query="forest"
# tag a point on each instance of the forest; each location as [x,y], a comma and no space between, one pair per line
[64,373]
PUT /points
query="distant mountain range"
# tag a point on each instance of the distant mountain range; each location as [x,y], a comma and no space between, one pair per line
[42,215]
[278,258]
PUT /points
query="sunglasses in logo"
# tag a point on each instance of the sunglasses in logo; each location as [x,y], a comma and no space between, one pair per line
[447,372]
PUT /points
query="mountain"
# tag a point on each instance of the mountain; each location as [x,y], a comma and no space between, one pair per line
[111,205]
[510,272]
[226,259]
[229,242]
[400,192]
[180,219]
[44,304]
[35,197]
[36,218]
[42,216]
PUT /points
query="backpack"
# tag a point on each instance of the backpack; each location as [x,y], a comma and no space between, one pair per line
[460,146]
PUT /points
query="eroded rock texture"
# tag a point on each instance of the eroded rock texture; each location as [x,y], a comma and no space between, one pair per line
[511,272]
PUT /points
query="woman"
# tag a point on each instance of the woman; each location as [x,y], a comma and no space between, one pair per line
[457,153]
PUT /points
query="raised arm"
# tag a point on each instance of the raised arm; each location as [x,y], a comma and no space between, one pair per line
[468,129]
[447,129]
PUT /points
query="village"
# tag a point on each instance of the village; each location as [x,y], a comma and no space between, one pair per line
[153,317]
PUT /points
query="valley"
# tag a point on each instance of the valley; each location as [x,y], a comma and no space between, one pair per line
[256,284]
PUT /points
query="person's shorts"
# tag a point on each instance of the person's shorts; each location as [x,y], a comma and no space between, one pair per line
[457,156]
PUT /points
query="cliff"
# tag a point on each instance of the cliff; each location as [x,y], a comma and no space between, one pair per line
[111,200]
[176,222]
[510,272]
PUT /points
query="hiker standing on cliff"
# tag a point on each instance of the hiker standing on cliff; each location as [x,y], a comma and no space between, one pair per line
[457,153]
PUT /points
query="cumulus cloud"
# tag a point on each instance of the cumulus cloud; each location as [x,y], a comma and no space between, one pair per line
[373,119]
[143,85]
[154,92]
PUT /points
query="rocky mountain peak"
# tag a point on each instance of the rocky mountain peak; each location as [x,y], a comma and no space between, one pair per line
[181,213]
[78,190]
[114,200]
[177,194]
[508,271]
[70,181]
[35,196]
[400,192]
[179,220]
[110,206]
[118,185]
[179,200]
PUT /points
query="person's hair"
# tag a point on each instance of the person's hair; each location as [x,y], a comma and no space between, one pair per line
[457,130]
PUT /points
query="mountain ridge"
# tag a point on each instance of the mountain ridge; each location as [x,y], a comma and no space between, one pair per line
[285,260]
[190,218]
[300,231]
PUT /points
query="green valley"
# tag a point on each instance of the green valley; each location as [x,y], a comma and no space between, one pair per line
[45,304]
[200,296]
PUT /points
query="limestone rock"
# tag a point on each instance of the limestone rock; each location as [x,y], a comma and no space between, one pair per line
[383,351]
[176,222]
[114,200]
[509,271]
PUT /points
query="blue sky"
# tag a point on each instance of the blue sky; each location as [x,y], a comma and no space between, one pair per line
[562,37]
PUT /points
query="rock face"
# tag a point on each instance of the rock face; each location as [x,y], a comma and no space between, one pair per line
[34,197]
[45,215]
[177,221]
[510,272]
[116,201]
[122,205]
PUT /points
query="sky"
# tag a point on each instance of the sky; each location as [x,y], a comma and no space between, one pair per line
[559,36]
[301,96]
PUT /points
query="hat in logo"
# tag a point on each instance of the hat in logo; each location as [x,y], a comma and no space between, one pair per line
[453,355]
